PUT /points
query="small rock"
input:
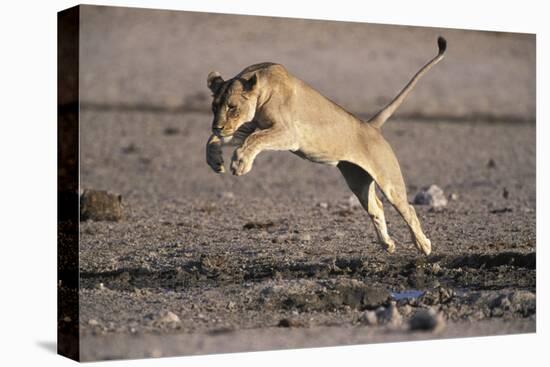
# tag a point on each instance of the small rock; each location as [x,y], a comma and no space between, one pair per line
[505,193]
[286,322]
[491,163]
[93,322]
[259,225]
[339,234]
[323,205]
[453,196]
[171,131]
[100,206]
[427,320]
[369,318]
[523,302]
[305,237]
[169,318]
[436,268]
[155,353]
[129,149]
[100,286]
[389,315]
[226,195]
[406,310]
[67,319]
[432,196]
[282,238]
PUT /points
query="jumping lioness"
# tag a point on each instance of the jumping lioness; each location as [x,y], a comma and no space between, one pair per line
[266,108]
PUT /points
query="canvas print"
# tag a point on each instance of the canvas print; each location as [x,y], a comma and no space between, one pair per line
[233,183]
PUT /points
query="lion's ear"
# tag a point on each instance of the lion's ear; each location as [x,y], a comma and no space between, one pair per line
[250,84]
[214,81]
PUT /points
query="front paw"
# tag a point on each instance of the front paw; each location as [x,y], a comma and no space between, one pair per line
[214,156]
[241,163]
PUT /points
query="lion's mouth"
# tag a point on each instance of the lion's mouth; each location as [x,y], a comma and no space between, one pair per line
[221,133]
[224,136]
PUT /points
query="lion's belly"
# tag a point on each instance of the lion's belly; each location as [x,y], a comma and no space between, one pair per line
[317,157]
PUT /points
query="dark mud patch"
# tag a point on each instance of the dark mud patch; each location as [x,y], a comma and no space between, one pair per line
[473,271]
[479,261]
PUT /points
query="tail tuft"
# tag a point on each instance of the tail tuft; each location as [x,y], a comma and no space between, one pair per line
[380,118]
[442,44]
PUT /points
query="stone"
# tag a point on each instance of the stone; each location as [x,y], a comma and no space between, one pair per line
[389,315]
[406,310]
[340,234]
[432,196]
[523,302]
[323,205]
[369,318]
[304,237]
[93,322]
[427,320]
[168,317]
[226,195]
[100,206]
[286,322]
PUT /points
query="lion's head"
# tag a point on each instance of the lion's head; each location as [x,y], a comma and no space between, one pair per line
[234,103]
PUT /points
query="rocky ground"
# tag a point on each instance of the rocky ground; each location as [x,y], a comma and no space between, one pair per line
[187,261]
[284,257]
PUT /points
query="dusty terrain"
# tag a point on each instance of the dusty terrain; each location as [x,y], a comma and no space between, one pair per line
[281,257]
[228,254]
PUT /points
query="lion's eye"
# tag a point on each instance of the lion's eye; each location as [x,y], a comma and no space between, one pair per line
[232,110]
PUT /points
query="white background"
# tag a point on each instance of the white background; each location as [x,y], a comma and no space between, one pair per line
[28,181]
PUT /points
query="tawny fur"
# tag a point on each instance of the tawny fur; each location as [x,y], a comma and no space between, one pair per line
[266,108]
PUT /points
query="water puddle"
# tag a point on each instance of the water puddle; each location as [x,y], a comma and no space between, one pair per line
[408,294]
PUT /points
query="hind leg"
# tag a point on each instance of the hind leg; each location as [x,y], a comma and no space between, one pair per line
[396,193]
[364,187]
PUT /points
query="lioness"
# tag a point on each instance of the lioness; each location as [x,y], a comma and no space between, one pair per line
[266,108]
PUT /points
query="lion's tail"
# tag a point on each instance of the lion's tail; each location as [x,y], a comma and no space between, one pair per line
[380,118]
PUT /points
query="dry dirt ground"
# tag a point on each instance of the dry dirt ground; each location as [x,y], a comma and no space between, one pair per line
[232,257]
[281,258]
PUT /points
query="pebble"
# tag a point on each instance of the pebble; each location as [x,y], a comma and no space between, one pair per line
[369,318]
[427,320]
[227,195]
[286,322]
[339,234]
[169,318]
[323,205]
[389,315]
[432,196]
[406,310]
[436,268]
[155,353]
[305,237]
[93,322]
